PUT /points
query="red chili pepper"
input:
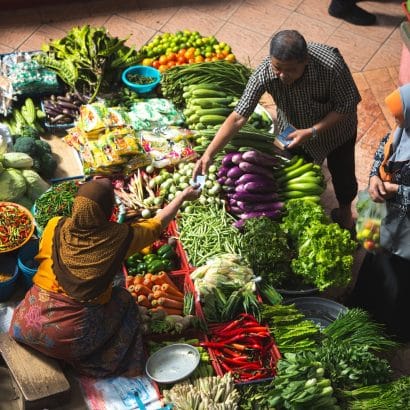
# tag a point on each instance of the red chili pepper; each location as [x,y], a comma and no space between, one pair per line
[226,367]
[237,361]
[212,345]
[231,352]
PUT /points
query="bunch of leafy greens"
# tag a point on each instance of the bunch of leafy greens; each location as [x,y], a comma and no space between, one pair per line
[325,255]
[265,247]
[299,214]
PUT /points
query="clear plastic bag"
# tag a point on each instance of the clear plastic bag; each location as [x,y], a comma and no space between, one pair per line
[370,215]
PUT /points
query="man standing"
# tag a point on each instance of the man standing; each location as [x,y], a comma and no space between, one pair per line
[314,91]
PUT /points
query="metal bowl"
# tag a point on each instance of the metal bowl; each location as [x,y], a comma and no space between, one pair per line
[172,363]
[321,311]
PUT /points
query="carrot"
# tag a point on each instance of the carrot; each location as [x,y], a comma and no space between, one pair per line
[170,303]
[147,275]
[170,311]
[142,290]
[129,280]
[147,282]
[161,294]
[172,290]
[150,297]
[162,278]
[131,288]
[134,295]
[138,279]
[156,287]
[143,301]
[153,278]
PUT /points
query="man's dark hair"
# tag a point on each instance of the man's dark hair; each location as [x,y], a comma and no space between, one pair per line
[288,45]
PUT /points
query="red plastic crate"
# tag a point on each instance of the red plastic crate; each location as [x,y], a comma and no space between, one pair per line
[180,248]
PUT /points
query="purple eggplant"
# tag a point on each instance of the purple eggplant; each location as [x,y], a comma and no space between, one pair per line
[266,207]
[254,178]
[237,158]
[255,198]
[270,214]
[249,168]
[227,159]
[259,187]
[259,158]
[235,172]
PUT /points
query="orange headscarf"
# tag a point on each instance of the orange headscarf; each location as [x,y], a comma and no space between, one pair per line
[395,105]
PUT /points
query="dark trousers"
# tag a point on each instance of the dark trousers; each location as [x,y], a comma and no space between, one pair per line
[341,6]
[383,289]
[341,166]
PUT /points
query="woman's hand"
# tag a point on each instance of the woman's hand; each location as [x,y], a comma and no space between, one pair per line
[381,190]
[377,190]
[201,166]
[191,193]
[391,189]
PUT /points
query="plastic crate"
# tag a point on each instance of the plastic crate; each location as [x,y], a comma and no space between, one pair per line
[184,254]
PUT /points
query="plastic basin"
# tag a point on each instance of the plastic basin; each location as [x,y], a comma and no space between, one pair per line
[26,263]
[8,263]
[145,71]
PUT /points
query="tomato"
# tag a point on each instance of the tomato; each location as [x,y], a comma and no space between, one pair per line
[156,63]
[163,60]
[368,245]
[171,64]
[199,59]
[230,57]
[172,57]
[191,60]
[207,59]
[182,52]
[181,60]
[162,68]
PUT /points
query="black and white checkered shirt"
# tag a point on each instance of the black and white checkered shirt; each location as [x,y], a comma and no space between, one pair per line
[326,85]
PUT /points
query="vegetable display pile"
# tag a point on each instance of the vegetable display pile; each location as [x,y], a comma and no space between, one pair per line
[16,226]
[244,348]
[206,231]
[57,201]
[87,59]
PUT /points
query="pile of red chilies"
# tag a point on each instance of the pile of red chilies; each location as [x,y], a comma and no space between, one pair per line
[244,348]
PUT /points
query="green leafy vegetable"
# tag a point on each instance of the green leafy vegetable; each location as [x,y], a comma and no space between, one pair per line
[325,255]
[265,246]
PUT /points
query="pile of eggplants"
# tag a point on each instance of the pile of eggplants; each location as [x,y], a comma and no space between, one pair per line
[62,109]
[248,182]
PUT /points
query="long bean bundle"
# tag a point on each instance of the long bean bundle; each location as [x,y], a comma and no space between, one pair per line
[232,77]
[207,231]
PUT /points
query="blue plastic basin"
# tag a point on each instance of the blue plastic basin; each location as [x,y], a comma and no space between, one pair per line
[145,71]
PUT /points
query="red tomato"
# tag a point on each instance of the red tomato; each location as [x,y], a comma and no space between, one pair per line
[156,64]
[172,57]
[171,64]
[162,68]
[181,60]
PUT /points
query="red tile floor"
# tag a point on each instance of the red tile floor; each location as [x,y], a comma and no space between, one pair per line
[372,53]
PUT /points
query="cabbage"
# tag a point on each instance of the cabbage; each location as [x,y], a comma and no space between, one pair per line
[12,185]
[36,186]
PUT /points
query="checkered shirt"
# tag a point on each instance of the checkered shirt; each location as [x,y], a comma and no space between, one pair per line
[326,85]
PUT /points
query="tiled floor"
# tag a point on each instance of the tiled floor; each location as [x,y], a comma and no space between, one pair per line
[372,53]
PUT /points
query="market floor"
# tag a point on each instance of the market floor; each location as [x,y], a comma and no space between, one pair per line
[372,53]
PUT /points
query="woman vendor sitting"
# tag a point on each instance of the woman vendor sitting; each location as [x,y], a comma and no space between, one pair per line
[72,312]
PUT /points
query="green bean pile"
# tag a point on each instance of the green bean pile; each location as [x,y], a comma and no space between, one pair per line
[57,201]
[206,231]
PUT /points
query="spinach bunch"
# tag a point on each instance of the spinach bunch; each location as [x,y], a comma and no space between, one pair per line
[265,247]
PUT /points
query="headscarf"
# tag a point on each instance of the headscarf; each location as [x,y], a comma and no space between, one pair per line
[87,248]
[397,148]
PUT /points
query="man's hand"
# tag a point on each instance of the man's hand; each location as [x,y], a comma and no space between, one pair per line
[201,166]
[391,189]
[299,137]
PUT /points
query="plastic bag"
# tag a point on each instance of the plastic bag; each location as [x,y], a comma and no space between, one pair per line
[370,215]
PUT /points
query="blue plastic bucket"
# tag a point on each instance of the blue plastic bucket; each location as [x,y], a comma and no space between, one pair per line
[8,263]
[26,263]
